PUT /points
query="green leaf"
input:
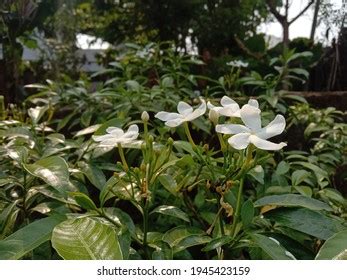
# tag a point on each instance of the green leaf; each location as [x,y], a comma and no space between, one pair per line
[306,221]
[36,113]
[335,248]
[247,213]
[88,130]
[174,236]
[299,71]
[320,174]
[282,168]
[132,85]
[171,211]
[86,239]
[52,170]
[84,201]
[162,251]
[257,173]
[93,173]
[299,176]
[293,200]
[121,218]
[28,238]
[272,247]
[191,241]
[168,182]
[217,243]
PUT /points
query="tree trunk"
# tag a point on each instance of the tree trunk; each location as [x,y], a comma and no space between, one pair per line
[315,20]
[285,26]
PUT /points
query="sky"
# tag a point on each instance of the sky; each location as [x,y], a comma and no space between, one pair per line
[301,27]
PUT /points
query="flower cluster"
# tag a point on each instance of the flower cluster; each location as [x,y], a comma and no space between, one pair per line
[251,132]
[237,64]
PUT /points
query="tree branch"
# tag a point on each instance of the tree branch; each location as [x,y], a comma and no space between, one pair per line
[302,12]
[272,6]
[244,48]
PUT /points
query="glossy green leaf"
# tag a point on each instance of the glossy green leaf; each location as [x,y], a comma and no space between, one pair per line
[292,200]
[217,243]
[88,130]
[162,251]
[86,239]
[299,176]
[121,218]
[282,168]
[174,236]
[191,241]
[84,201]
[28,238]
[52,170]
[257,173]
[171,211]
[168,182]
[335,248]
[272,247]
[306,221]
[247,213]
[36,113]
[93,173]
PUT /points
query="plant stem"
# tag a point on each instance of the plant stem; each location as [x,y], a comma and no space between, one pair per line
[238,207]
[145,228]
[189,136]
[121,154]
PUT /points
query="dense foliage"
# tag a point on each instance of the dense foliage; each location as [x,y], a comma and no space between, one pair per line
[89,170]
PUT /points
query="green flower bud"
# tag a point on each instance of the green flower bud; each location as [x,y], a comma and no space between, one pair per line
[144,116]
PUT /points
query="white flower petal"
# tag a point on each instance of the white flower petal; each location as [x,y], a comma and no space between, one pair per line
[230,111]
[184,109]
[132,133]
[99,138]
[116,132]
[266,145]
[239,141]
[251,117]
[253,102]
[197,112]
[174,122]
[227,101]
[274,128]
[232,128]
[165,116]
[210,105]
[106,140]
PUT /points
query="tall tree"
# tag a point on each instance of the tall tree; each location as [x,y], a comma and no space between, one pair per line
[283,18]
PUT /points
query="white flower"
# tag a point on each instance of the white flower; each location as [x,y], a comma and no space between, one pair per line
[185,114]
[117,136]
[252,132]
[237,63]
[229,107]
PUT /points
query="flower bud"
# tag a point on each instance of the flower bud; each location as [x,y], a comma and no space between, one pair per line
[170,141]
[144,116]
[213,116]
[150,139]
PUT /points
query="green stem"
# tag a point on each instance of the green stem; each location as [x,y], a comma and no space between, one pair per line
[145,228]
[121,154]
[189,136]
[222,144]
[238,207]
